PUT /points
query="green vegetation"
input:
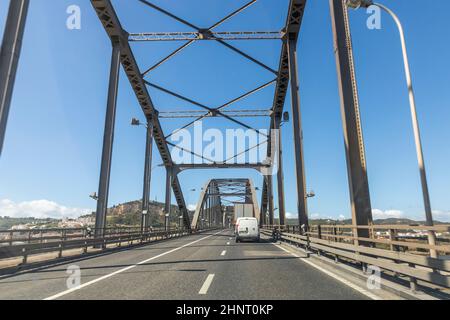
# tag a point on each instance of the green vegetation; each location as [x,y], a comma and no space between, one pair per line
[8,222]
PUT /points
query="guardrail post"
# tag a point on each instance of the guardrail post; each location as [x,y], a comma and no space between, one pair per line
[61,245]
[25,256]
[412,281]
[319,234]
[393,237]
[336,239]
[11,236]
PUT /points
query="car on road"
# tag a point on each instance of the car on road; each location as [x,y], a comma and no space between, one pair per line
[247,229]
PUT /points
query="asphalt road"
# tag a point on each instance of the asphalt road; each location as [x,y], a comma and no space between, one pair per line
[205,266]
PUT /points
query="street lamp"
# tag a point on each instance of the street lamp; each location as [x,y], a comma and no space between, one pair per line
[412,101]
[136,122]
[310,194]
[94,196]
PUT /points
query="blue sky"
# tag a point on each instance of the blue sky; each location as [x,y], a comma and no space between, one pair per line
[53,145]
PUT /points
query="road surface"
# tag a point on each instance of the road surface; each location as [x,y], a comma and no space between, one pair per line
[203,266]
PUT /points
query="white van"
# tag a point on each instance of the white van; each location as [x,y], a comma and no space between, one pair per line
[247,229]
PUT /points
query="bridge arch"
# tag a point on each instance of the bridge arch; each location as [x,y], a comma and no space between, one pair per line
[216,195]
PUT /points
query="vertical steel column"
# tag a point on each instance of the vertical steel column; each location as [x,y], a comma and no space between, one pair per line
[270,198]
[208,206]
[280,177]
[9,58]
[298,134]
[354,142]
[108,142]
[168,205]
[145,223]
[263,212]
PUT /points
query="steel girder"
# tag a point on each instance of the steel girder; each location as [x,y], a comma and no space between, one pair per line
[9,58]
[113,28]
[292,30]
[116,33]
[220,191]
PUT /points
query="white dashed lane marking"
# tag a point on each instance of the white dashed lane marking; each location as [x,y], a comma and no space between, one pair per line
[206,285]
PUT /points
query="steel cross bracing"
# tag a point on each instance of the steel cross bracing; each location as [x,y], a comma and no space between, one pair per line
[188,36]
[216,195]
[121,39]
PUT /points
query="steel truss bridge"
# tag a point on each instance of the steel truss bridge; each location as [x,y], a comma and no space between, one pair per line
[359,242]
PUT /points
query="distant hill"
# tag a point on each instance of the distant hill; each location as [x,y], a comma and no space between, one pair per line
[7,223]
[390,221]
[130,213]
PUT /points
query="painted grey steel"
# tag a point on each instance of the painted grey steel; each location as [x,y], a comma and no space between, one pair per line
[280,178]
[201,36]
[145,223]
[108,17]
[354,143]
[108,142]
[112,25]
[292,30]
[9,58]
[302,206]
[270,195]
[168,202]
[214,197]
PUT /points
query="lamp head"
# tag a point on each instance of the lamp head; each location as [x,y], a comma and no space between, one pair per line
[356,4]
[135,122]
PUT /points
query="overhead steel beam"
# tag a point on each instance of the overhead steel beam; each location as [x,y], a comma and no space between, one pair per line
[206,32]
[211,110]
[205,36]
[190,166]
[351,119]
[113,28]
[9,58]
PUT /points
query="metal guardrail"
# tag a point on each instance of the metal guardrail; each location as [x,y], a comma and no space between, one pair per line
[390,247]
[25,243]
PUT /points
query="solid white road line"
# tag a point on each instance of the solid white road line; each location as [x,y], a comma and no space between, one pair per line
[224,252]
[207,284]
[334,276]
[61,294]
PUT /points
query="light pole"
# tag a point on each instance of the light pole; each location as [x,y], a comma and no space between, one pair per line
[412,101]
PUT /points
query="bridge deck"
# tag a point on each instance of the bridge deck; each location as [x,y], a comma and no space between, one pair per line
[178,269]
